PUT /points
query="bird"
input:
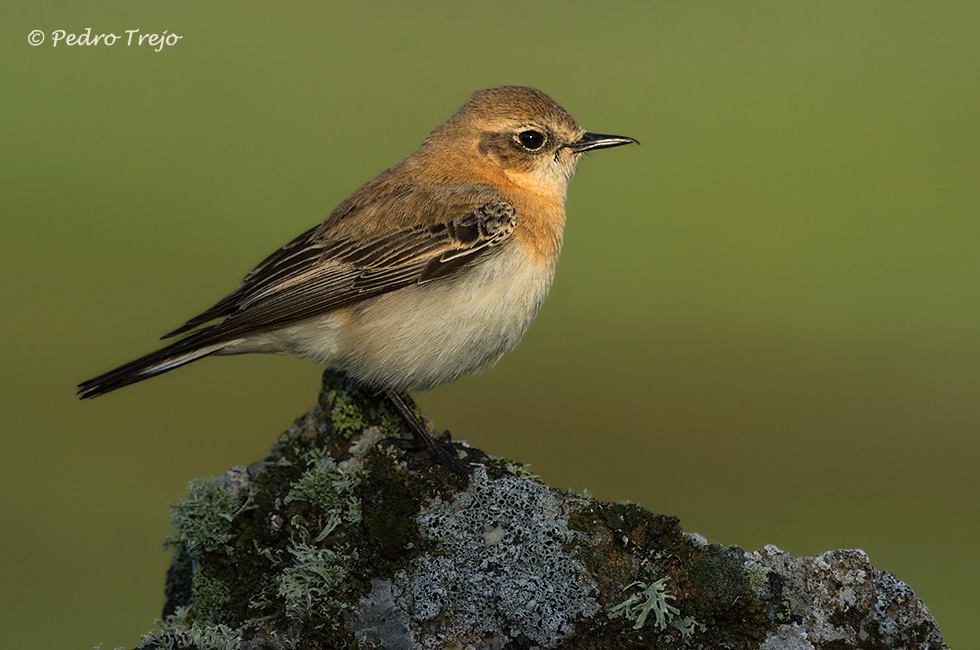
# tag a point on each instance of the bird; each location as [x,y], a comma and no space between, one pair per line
[433,269]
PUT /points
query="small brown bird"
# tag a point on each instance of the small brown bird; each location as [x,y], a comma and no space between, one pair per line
[433,269]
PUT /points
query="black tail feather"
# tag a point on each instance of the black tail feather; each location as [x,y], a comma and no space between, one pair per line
[180,353]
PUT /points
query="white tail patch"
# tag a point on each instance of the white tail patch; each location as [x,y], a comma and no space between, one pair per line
[180,360]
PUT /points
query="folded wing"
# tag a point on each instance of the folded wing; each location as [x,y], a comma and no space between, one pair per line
[315,274]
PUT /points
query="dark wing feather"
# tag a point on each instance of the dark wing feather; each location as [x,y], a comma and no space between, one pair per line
[312,275]
[290,258]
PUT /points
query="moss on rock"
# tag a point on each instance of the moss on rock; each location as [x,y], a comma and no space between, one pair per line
[343,538]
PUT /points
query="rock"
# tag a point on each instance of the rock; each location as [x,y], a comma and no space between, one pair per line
[341,539]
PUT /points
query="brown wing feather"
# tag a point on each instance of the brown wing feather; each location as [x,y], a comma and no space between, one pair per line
[314,274]
[291,257]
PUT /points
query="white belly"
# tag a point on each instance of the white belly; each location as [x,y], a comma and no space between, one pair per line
[421,336]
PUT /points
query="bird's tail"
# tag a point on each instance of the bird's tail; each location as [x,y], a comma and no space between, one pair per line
[182,352]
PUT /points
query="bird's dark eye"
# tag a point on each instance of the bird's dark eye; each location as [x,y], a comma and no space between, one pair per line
[531,139]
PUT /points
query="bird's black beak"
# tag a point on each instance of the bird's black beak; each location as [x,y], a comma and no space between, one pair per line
[591,141]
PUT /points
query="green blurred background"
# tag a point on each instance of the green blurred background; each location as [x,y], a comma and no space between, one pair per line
[764,320]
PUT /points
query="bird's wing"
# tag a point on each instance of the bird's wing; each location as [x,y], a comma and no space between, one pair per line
[315,273]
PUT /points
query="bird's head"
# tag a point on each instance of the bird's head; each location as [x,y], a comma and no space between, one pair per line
[522,133]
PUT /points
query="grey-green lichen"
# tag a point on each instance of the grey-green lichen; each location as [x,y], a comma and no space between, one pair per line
[758,577]
[209,595]
[343,538]
[330,489]
[203,516]
[842,601]
[282,547]
[309,584]
[688,627]
[505,570]
[652,597]
[179,632]
[352,408]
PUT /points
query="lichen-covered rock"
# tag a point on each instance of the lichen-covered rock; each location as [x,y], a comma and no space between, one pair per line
[341,539]
[504,569]
[838,600]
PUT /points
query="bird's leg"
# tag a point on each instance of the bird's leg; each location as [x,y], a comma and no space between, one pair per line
[438,454]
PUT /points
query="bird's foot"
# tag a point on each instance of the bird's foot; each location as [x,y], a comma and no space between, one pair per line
[445,455]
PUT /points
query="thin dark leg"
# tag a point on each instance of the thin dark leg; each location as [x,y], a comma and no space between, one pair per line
[438,453]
